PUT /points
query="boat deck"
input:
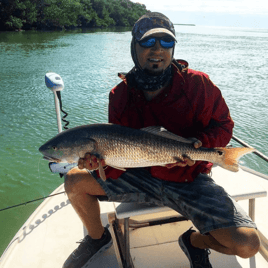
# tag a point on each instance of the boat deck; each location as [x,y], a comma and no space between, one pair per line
[51,233]
[157,246]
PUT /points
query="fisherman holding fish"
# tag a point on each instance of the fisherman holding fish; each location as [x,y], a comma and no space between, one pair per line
[162,91]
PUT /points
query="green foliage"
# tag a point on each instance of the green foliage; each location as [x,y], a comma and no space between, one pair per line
[14,23]
[88,14]
[60,14]
[14,14]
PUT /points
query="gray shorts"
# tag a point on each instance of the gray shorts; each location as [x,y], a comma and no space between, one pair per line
[202,201]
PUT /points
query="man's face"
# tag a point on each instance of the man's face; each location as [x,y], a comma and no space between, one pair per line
[156,59]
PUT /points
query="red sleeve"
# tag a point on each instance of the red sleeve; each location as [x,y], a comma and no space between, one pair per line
[117,102]
[213,121]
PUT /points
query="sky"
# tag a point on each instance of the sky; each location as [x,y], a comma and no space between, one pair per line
[231,13]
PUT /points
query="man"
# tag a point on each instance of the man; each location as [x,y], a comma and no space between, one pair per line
[160,91]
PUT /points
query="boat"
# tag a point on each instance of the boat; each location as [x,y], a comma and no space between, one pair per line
[143,236]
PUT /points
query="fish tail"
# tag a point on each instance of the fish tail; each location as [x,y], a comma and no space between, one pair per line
[230,157]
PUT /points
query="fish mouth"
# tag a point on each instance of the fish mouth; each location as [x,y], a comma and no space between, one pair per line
[52,159]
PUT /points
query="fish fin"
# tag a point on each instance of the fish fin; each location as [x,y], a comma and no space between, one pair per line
[178,159]
[231,156]
[91,147]
[101,171]
[161,131]
[120,168]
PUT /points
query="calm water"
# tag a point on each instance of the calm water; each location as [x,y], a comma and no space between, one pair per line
[235,58]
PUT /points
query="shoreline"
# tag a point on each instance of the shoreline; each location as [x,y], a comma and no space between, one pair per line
[183,24]
[82,29]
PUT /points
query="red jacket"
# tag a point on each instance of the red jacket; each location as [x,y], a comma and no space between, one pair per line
[191,107]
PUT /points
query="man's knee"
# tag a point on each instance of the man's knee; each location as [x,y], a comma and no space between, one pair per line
[243,242]
[80,181]
[74,179]
[247,243]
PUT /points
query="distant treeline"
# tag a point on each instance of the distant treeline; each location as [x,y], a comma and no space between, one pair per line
[67,14]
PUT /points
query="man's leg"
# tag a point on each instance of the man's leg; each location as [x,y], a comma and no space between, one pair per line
[241,241]
[82,189]
[223,224]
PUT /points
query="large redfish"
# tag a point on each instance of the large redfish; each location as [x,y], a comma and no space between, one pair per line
[123,147]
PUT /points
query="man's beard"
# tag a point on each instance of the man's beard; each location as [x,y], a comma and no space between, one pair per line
[153,73]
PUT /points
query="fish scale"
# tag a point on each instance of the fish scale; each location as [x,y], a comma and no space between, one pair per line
[137,151]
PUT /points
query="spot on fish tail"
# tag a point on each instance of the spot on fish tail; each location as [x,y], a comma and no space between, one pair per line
[220,152]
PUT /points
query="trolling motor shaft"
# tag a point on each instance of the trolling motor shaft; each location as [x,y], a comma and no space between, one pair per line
[55,83]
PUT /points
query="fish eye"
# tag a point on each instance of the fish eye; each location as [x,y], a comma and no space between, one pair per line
[54,148]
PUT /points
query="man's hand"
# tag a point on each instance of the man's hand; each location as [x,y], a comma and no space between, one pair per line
[187,161]
[90,162]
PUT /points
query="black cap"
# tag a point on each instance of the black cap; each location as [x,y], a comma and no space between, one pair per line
[151,23]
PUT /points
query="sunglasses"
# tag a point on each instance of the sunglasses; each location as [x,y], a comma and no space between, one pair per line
[165,42]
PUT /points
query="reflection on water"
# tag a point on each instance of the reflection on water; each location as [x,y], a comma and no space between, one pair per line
[35,40]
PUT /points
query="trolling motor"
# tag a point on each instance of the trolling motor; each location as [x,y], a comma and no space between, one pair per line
[55,83]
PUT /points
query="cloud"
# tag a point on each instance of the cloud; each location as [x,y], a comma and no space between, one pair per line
[240,7]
